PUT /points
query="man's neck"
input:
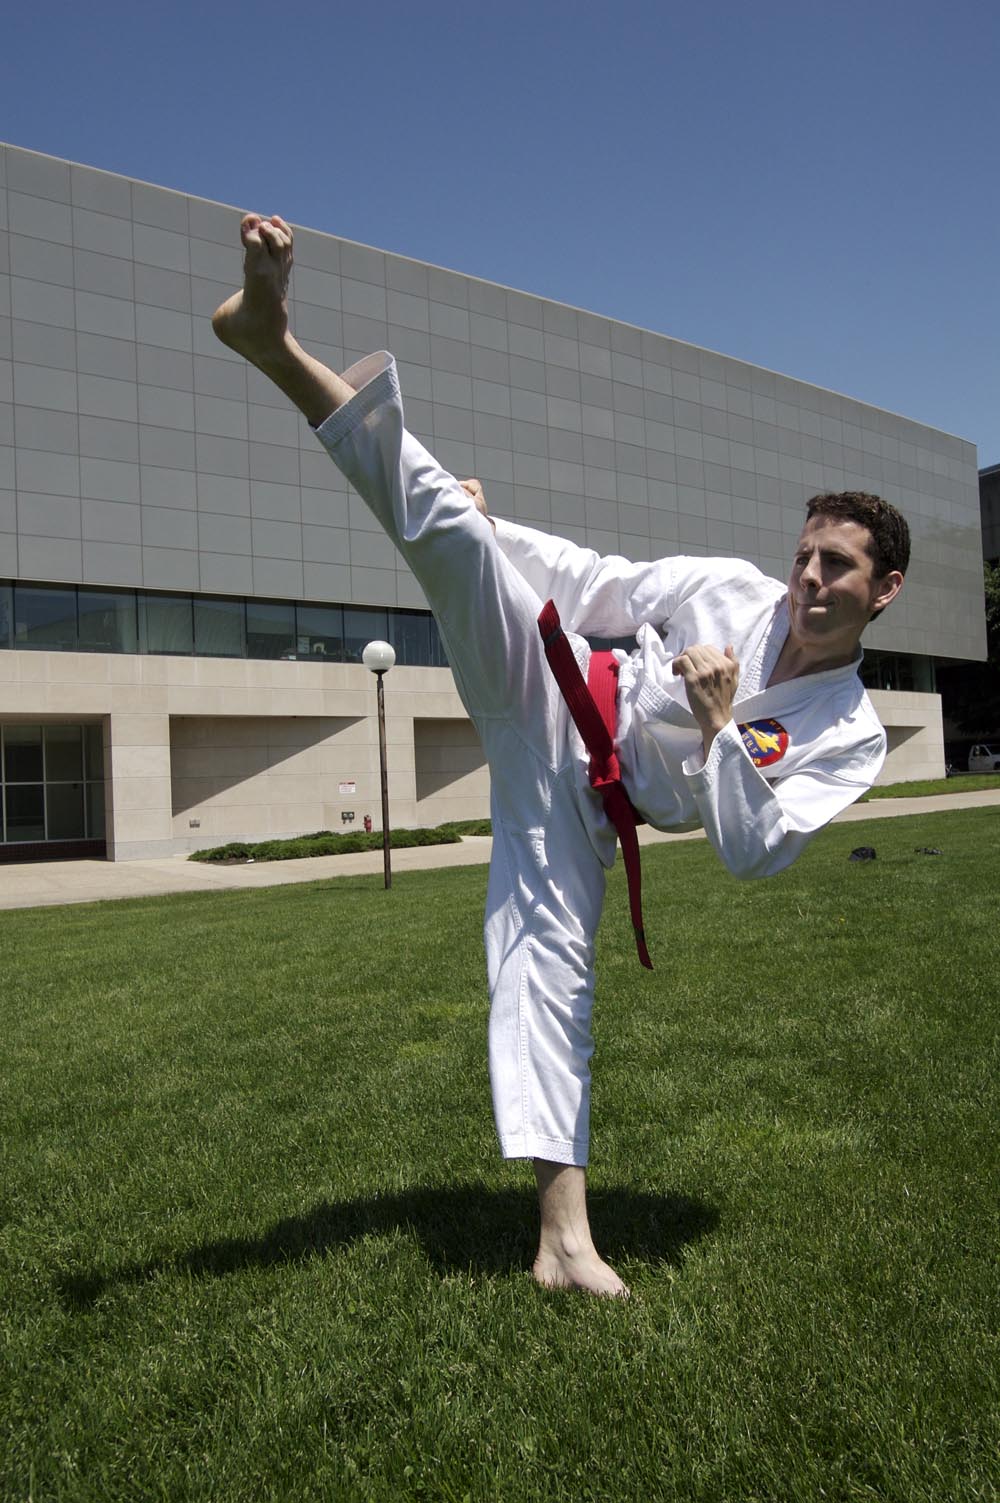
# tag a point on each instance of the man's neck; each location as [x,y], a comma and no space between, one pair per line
[798,659]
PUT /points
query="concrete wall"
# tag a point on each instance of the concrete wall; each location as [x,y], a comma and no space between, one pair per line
[913,728]
[247,749]
[452,780]
[203,751]
[236,778]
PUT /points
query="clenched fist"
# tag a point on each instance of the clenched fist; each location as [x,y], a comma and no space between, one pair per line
[711,679]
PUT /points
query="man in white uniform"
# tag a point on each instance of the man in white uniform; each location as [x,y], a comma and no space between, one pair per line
[714,637]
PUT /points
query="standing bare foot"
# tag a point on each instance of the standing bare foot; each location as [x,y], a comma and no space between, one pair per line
[559,1269]
[254,321]
[567,1257]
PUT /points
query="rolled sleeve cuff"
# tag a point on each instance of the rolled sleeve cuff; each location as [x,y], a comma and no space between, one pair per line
[376,381]
[701,774]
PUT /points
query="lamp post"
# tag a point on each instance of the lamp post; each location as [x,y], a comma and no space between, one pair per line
[378,658]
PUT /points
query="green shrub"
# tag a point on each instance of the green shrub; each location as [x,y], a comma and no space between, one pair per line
[326,843]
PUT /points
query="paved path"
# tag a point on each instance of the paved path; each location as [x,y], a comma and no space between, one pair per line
[43,883]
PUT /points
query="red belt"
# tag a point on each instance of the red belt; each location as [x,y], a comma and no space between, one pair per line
[593,706]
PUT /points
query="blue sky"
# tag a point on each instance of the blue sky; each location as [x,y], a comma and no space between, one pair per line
[812,187]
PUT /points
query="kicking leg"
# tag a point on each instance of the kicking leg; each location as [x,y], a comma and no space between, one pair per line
[254,322]
[485,610]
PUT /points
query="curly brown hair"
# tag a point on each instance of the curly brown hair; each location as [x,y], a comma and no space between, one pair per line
[888,533]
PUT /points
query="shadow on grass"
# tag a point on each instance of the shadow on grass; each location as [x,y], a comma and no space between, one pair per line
[463,1228]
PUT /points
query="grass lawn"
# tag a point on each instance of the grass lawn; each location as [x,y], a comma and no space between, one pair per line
[972,782]
[256,1242]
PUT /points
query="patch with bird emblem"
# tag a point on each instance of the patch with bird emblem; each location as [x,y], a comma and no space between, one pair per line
[766,741]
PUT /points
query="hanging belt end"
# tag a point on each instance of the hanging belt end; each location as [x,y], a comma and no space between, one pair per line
[640,944]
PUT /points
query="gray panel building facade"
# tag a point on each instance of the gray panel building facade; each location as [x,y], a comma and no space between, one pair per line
[140,460]
[989,508]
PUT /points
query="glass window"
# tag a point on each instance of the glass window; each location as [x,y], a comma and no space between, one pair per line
[361,627]
[95,811]
[63,753]
[270,629]
[409,633]
[904,672]
[437,657]
[59,618]
[93,741]
[25,808]
[64,807]
[107,620]
[45,618]
[22,753]
[6,615]
[166,624]
[219,627]
[320,631]
[924,676]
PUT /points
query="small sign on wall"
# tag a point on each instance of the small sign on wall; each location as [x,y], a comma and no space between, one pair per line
[347,788]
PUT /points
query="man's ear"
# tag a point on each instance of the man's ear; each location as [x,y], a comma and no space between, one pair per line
[887,589]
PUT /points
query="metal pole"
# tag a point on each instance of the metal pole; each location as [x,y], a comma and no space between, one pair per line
[385,781]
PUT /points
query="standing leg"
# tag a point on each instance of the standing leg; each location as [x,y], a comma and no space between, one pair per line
[543,906]
[567,1257]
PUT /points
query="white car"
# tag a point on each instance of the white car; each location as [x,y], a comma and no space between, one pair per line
[984,759]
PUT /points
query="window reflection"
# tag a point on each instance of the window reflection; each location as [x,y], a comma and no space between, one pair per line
[95,811]
[107,620]
[320,632]
[166,624]
[25,812]
[59,618]
[22,753]
[45,618]
[63,753]
[437,657]
[219,628]
[51,783]
[897,670]
[270,629]
[93,741]
[409,633]
[64,811]
[361,627]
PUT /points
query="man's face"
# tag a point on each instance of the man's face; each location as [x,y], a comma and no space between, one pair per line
[832,589]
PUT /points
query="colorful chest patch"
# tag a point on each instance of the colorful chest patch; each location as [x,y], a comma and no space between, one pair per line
[766,741]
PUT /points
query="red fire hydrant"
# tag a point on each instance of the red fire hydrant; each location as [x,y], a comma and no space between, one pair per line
[368,824]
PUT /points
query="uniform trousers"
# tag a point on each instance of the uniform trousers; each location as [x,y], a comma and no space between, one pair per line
[551,839]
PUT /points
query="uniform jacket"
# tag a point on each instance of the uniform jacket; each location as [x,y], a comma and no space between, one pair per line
[793,756]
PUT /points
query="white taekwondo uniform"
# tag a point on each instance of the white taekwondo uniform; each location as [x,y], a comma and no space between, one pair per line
[802,751]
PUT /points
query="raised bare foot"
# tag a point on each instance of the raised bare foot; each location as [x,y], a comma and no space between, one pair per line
[254,321]
[582,1270]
